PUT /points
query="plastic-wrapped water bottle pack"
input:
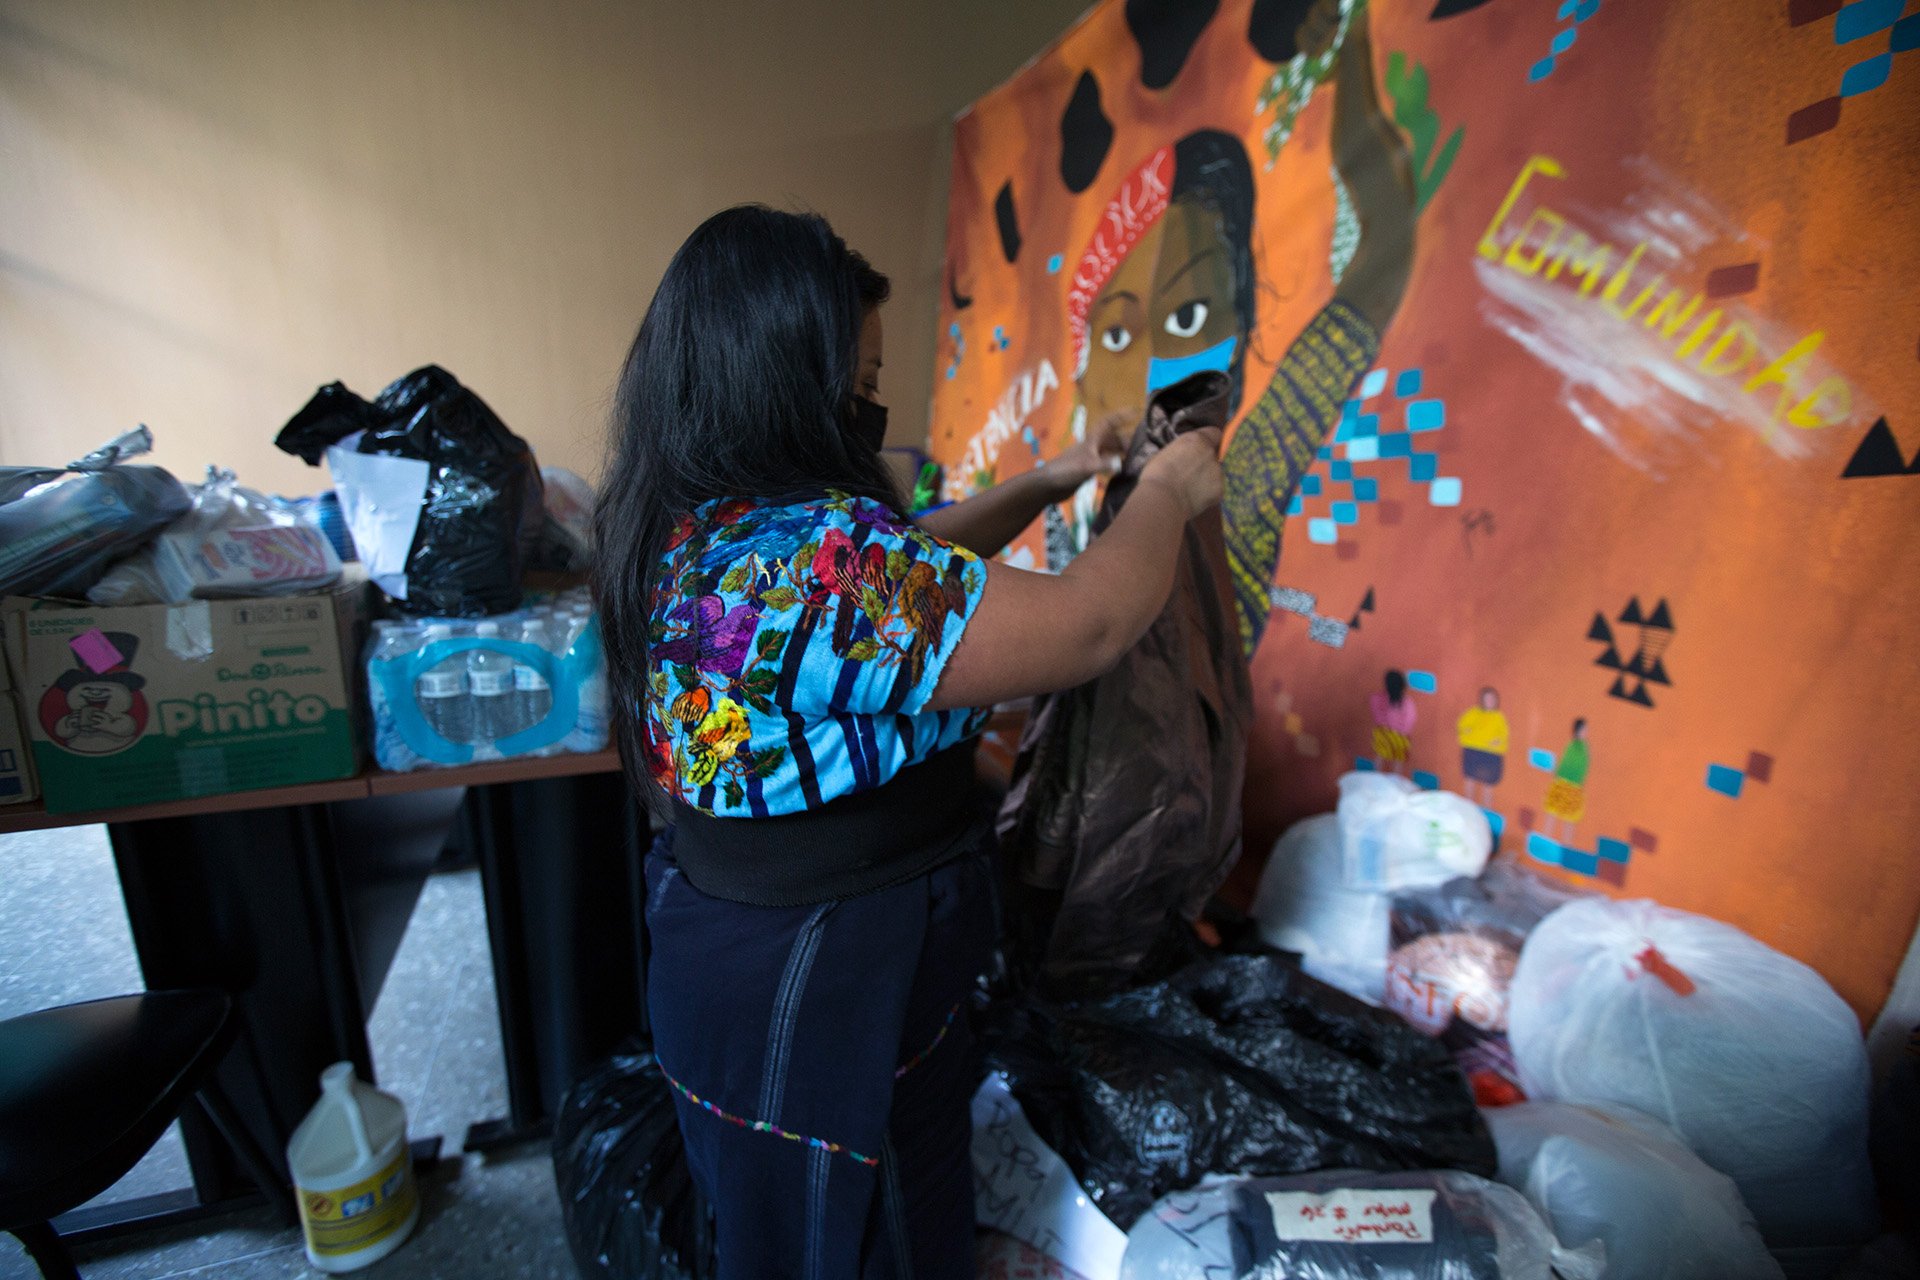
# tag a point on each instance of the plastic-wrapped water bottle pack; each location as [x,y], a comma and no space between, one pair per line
[451,691]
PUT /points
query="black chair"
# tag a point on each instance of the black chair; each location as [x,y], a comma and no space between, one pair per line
[87,1089]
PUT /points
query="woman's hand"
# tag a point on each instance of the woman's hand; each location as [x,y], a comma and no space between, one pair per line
[1190,469]
[1099,454]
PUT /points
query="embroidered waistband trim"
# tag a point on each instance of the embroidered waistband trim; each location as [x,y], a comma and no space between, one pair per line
[767,1126]
[927,1052]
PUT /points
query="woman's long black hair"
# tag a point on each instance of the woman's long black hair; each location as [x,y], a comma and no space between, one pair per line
[740,384]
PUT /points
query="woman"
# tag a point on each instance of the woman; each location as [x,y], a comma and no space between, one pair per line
[800,672]
[1566,802]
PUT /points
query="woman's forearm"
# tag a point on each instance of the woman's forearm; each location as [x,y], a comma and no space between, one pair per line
[1125,576]
[985,523]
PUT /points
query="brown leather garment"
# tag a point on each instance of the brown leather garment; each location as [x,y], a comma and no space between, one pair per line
[1124,810]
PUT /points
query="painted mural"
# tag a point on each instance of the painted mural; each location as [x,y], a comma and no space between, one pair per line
[1576,463]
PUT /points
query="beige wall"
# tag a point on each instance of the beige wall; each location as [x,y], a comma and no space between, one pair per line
[209,209]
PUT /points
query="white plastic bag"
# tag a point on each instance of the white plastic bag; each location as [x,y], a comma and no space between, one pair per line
[1304,905]
[233,541]
[1628,1181]
[1745,1053]
[1394,835]
[1347,1225]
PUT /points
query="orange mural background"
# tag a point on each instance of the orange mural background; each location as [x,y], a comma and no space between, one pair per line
[1591,466]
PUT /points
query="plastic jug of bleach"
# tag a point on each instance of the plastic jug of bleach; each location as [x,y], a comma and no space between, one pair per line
[353,1173]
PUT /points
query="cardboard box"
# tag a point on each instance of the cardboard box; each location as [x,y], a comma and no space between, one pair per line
[17,783]
[143,703]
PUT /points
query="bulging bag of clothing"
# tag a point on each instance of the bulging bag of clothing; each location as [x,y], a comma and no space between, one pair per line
[444,502]
[59,532]
[1397,835]
[1236,1065]
[1626,1180]
[1303,905]
[628,1200]
[1124,810]
[1747,1054]
[1351,1225]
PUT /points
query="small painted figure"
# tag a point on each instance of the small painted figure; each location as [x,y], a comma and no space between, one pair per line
[1394,716]
[1483,746]
[1567,793]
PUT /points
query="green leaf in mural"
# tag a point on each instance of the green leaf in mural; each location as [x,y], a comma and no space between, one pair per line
[765,762]
[736,795]
[1407,86]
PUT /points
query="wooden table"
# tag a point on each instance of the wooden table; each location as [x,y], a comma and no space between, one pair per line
[295,898]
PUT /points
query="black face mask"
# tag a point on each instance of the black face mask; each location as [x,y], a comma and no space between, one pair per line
[869,423]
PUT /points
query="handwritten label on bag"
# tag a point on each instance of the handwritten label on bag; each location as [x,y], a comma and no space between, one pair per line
[1354,1215]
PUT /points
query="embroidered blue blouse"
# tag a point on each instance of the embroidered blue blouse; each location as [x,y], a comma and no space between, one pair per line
[794,648]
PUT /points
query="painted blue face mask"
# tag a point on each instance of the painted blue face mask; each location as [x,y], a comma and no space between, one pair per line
[1217,358]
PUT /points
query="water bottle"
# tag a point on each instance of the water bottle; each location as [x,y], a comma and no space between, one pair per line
[490,682]
[532,693]
[442,692]
[590,725]
[390,749]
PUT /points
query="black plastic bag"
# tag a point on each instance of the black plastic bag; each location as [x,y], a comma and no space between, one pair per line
[628,1200]
[1124,810]
[1236,1065]
[483,507]
[57,536]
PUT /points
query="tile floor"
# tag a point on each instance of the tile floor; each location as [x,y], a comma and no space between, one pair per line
[63,937]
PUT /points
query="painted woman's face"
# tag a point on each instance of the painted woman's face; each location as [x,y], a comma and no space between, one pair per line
[1172,299]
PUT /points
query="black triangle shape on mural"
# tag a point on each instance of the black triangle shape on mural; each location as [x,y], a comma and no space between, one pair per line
[1008,221]
[1355,624]
[1635,667]
[1639,695]
[1878,455]
[1449,8]
[1366,606]
[1609,659]
[1600,630]
[1619,689]
[1661,618]
[1658,673]
[1631,614]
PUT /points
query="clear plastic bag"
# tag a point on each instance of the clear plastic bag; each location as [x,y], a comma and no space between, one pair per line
[1454,950]
[1627,1180]
[1303,905]
[566,535]
[58,532]
[1346,1225]
[1395,835]
[1745,1053]
[233,541]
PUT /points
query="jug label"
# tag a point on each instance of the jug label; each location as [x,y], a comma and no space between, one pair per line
[356,1217]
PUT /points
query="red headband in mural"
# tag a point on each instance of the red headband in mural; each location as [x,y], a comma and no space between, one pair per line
[1131,213]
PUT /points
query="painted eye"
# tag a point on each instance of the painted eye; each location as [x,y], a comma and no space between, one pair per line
[1116,338]
[1186,321]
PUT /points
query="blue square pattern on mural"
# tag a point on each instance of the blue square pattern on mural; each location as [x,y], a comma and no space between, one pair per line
[1407,384]
[1581,863]
[1310,485]
[1497,822]
[1367,426]
[1423,468]
[1296,505]
[1341,469]
[1362,764]
[1445,492]
[1426,781]
[1724,780]
[1373,384]
[1322,530]
[1863,18]
[1345,513]
[1426,415]
[1906,34]
[1398,444]
[1862,76]
[1614,850]
[1366,489]
[1326,453]
[1422,682]
[1364,451]
[1540,759]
